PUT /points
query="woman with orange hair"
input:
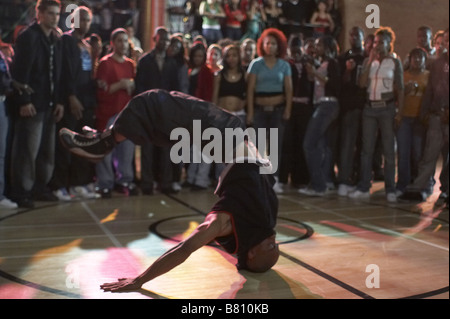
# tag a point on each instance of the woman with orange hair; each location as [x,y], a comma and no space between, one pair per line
[269,90]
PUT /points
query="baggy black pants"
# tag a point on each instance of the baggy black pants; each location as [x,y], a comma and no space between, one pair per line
[151,117]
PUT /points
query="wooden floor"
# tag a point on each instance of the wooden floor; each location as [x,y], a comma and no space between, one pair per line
[332,248]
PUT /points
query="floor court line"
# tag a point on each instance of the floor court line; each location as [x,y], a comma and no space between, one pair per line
[376,228]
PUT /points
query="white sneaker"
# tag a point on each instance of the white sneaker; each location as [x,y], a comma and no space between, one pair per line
[357,194]
[8,204]
[399,193]
[391,197]
[344,190]
[311,192]
[63,195]
[278,188]
[83,192]
[176,186]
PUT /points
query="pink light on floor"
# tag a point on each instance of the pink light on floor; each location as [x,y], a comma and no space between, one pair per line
[16,291]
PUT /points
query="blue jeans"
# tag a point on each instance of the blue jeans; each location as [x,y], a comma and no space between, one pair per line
[410,140]
[3,140]
[116,167]
[33,154]
[268,120]
[318,152]
[436,143]
[212,35]
[350,134]
[372,120]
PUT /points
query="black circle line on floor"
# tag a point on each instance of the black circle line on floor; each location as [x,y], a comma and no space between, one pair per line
[154,229]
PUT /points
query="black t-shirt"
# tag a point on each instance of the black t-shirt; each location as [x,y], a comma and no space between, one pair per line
[249,199]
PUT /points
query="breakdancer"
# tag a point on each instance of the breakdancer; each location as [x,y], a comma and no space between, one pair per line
[243,219]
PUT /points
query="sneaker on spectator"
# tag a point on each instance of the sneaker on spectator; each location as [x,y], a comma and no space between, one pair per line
[176,186]
[357,194]
[344,190]
[8,204]
[399,193]
[278,188]
[63,195]
[129,189]
[311,192]
[391,197]
[83,192]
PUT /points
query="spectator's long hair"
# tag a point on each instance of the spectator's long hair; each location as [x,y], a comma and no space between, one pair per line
[195,47]
[330,45]
[225,52]
[280,38]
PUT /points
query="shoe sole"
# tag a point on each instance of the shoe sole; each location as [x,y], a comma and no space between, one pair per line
[77,150]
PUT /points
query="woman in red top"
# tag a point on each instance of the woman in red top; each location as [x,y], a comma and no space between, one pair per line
[323,18]
[235,16]
[115,78]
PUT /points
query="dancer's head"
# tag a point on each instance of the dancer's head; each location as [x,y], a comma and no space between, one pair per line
[261,257]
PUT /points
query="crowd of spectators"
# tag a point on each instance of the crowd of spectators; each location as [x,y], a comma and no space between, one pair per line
[274,64]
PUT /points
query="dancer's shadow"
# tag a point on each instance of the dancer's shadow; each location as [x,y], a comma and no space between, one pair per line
[272,285]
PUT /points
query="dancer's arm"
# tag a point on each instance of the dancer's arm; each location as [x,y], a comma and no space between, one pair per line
[215,225]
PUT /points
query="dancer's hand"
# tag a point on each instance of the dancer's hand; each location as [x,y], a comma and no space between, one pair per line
[124,284]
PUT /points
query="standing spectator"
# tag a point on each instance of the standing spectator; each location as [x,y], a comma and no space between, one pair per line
[256,18]
[382,76]
[194,20]
[335,14]
[438,43]
[72,175]
[201,79]
[214,58]
[318,153]
[295,14]
[230,88]
[424,42]
[176,51]
[248,52]
[132,37]
[164,71]
[5,88]
[106,19]
[212,12]
[410,132]
[269,90]
[37,64]
[434,112]
[293,157]
[273,13]
[176,14]
[351,101]
[323,18]
[115,77]
[235,17]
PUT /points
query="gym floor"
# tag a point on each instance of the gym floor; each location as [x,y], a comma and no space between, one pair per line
[331,248]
